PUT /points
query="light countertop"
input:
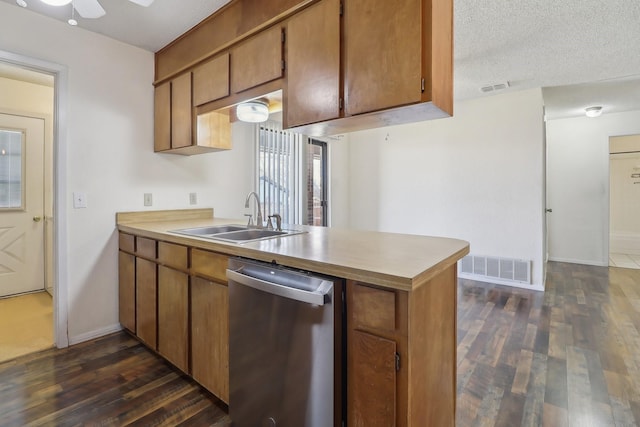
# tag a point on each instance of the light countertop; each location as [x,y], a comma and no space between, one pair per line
[400,261]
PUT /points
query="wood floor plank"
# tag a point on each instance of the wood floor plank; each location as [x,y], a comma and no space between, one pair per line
[112,381]
[571,356]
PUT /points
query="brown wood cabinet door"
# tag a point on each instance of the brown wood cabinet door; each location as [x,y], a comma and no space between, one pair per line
[257,61]
[210,336]
[313,65]
[181,121]
[127,290]
[383,59]
[146,297]
[371,385]
[162,117]
[211,80]
[173,316]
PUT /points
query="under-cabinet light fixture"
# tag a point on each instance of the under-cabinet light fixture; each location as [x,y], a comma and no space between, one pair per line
[594,111]
[253,111]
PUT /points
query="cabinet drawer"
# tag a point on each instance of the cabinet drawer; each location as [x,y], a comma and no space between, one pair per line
[126,242]
[146,247]
[209,264]
[173,255]
[373,308]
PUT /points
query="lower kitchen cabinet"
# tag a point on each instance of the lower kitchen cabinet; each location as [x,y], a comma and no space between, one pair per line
[127,290]
[210,336]
[173,316]
[146,302]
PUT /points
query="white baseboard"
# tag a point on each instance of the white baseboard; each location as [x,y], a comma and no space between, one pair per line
[624,243]
[77,339]
[580,261]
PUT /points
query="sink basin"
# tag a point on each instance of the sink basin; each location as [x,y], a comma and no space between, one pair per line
[234,233]
[249,235]
[205,231]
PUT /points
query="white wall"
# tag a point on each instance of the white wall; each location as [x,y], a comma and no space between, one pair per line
[110,156]
[578,185]
[477,176]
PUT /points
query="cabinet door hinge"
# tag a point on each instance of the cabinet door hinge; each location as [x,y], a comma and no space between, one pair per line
[422,85]
[341,8]
[340,104]
[397,362]
[284,36]
[284,65]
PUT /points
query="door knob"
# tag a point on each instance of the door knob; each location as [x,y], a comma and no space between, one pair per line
[549,210]
[37,219]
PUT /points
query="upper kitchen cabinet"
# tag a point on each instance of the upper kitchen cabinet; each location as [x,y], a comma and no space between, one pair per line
[258,60]
[211,80]
[383,61]
[397,66]
[178,128]
[312,89]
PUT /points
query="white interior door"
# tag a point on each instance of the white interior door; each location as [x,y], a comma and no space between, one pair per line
[21,204]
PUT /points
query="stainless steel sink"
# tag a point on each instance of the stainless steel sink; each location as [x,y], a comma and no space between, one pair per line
[205,231]
[235,233]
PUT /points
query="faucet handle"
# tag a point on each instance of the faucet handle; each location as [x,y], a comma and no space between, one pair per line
[250,222]
[278,221]
[269,224]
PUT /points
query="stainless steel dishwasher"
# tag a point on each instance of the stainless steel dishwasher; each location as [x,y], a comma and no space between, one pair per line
[281,346]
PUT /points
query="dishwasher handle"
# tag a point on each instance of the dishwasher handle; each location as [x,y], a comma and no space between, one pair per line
[318,297]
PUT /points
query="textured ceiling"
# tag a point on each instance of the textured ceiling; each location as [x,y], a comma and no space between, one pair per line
[551,44]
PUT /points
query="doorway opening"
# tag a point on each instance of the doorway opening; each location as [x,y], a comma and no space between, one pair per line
[27,274]
[624,201]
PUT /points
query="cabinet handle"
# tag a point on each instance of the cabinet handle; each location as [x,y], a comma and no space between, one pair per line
[37,219]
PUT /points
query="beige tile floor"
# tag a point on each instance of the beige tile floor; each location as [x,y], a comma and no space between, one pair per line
[624,261]
[26,325]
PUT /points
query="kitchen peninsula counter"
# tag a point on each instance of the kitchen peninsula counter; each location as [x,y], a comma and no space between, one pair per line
[397,292]
[398,261]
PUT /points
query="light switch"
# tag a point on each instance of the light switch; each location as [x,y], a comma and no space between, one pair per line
[148,199]
[79,200]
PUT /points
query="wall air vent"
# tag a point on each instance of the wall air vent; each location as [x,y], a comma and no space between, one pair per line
[494,87]
[503,271]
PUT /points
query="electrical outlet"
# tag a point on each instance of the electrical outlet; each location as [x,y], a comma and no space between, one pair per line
[79,200]
[193,198]
[148,199]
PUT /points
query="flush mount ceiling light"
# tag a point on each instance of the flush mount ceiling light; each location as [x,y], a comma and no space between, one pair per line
[593,111]
[253,111]
[21,3]
[56,2]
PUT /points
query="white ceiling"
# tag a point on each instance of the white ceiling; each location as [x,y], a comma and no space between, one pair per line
[582,52]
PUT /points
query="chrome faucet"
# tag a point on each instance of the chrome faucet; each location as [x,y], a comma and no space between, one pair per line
[259,216]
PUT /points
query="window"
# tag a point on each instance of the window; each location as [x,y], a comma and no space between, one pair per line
[11,169]
[280,172]
[292,175]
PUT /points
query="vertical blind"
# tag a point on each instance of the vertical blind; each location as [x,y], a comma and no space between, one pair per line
[280,172]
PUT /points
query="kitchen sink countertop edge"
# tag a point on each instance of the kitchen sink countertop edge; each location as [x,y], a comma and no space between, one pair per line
[398,261]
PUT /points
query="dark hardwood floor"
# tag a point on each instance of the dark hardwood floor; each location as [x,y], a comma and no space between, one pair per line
[567,357]
[112,381]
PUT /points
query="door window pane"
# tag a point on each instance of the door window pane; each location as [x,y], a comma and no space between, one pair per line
[11,169]
[317,183]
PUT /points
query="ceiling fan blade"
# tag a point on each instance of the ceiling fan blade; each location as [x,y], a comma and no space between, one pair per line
[89,8]
[145,3]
